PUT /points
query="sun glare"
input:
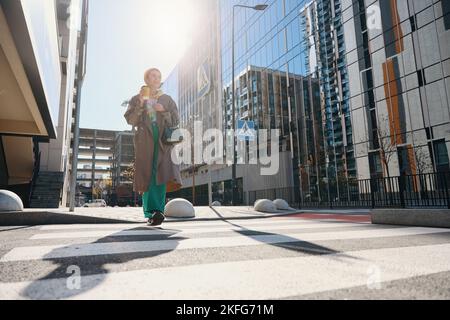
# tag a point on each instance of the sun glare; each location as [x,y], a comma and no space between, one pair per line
[173,26]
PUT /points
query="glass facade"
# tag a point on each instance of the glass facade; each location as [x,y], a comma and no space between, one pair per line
[195,86]
[359,89]
[45,45]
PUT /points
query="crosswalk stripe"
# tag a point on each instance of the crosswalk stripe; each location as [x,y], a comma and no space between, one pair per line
[186,224]
[92,249]
[184,232]
[245,279]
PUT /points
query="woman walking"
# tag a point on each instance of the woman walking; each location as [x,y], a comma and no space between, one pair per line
[150,113]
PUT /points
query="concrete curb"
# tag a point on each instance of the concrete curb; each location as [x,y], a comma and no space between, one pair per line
[16,218]
[436,218]
[232,218]
[45,218]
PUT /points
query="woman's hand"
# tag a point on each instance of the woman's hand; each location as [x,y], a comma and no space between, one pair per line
[141,107]
[141,97]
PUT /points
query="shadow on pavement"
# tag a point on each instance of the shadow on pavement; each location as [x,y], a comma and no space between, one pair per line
[4,229]
[124,248]
[283,241]
[61,283]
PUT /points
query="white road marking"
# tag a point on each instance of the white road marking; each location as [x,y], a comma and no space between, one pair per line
[247,280]
[187,224]
[92,249]
[183,232]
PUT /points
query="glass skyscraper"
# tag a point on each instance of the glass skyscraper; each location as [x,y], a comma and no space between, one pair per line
[359,89]
[377,99]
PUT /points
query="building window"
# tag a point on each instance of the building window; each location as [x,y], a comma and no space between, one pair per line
[376,169]
[446,13]
[412,20]
[421,77]
[403,161]
[440,156]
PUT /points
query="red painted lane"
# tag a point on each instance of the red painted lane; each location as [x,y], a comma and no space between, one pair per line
[330,216]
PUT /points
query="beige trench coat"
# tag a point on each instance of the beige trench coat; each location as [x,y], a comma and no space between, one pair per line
[168,173]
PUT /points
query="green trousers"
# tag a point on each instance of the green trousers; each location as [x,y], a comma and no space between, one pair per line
[155,197]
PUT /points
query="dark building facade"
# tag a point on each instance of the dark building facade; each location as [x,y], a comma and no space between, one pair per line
[95,154]
[122,160]
[42,61]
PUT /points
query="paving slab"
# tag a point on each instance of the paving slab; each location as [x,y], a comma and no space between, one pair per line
[427,217]
[124,215]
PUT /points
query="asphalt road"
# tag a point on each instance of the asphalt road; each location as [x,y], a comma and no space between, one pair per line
[272,258]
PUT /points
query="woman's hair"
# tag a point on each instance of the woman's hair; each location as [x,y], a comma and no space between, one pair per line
[149,71]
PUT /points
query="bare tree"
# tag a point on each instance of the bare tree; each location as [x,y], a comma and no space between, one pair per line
[388,147]
[101,186]
[97,189]
[387,144]
[423,161]
[130,171]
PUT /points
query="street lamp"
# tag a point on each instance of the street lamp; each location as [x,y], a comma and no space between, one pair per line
[81,70]
[259,7]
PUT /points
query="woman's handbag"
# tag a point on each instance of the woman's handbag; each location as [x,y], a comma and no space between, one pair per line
[168,136]
[171,126]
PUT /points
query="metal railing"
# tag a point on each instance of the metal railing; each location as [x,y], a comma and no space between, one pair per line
[36,169]
[412,191]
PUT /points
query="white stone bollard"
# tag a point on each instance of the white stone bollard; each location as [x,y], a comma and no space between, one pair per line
[265,205]
[9,201]
[281,204]
[179,208]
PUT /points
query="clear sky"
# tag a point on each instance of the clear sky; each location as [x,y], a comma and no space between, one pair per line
[125,38]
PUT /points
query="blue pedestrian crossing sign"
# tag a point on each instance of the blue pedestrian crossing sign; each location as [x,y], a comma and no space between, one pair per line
[246,130]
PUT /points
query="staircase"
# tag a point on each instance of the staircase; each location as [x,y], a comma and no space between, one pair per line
[47,190]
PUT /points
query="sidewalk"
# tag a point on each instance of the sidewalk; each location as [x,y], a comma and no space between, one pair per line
[135,215]
[122,215]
